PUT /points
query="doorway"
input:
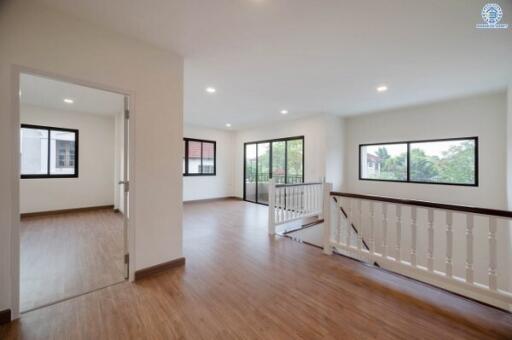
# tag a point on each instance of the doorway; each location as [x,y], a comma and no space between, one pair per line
[73,189]
[281,159]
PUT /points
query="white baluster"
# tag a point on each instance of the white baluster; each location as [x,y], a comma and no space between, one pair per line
[271,208]
[339,219]
[336,218]
[286,203]
[414,234]
[384,229]
[493,254]
[372,230]
[470,224]
[294,202]
[398,212]
[359,224]
[307,196]
[349,221]
[430,248]
[449,243]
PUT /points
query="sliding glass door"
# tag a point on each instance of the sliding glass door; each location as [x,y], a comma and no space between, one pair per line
[281,159]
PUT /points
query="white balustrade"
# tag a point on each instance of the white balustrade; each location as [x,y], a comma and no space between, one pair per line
[292,202]
[352,231]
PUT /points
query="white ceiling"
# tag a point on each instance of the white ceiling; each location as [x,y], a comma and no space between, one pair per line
[312,56]
[50,93]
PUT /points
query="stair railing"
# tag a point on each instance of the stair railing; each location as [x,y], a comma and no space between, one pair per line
[430,242]
[292,202]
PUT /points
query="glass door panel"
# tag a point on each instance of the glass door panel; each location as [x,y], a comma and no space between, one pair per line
[294,161]
[263,169]
[250,172]
[279,162]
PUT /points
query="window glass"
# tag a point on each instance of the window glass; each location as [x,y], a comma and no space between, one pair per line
[208,158]
[446,161]
[250,172]
[34,151]
[279,161]
[199,157]
[452,162]
[48,152]
[294,161]
[62,152]
[194,157]
[387,162]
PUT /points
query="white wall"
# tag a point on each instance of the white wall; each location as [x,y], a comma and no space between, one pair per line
[94,185]
[334,150]
[509,161]
[37,37]
[483,116]
[509,147]
[220,185]
[317,131]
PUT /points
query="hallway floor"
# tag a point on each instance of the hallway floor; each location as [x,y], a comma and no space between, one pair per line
[239,283]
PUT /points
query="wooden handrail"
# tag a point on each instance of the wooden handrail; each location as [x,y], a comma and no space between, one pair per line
[297,184]
[428,204]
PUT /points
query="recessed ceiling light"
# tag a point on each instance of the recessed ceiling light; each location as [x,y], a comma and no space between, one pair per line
[382,88]
[284,112]
[211,90]
[68,101]
[228,125]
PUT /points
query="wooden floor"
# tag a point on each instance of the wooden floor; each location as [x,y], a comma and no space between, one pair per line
[239,283]
[69,254]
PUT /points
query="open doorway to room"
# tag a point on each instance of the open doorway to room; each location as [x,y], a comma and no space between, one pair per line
[281,159]
[73,190]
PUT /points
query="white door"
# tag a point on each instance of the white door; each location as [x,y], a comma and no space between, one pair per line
[125,181]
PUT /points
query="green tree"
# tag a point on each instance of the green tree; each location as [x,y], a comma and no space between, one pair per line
[423,167]
[394,168]
[458,164]
[382,153]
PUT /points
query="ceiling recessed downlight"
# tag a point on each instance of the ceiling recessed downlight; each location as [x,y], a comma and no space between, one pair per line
[382,88]
[228,125]
[211,90]
[284,112]
[68,101]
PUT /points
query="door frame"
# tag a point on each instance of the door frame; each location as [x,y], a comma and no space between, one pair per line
[270,141]
[129,229]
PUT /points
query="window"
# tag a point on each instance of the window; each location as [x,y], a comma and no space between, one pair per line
[199,158]
[445,161]
[48,152]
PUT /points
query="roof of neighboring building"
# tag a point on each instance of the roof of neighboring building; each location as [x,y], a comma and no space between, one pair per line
[194,150]
[373,157]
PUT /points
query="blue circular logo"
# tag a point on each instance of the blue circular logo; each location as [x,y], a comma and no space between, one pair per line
[492,14]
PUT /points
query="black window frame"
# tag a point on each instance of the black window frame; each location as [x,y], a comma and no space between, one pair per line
[408,178]
[187,140]
[49,129]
